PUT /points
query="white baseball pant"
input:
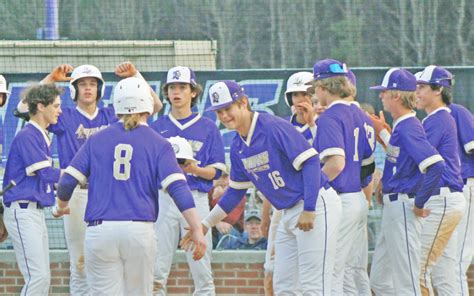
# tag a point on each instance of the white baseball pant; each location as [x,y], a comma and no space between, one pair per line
[27,230]
[395,266]
[75,232]
[304,260]
[352,228]
[447,209]
[356,279]
[120,258]
[168,226]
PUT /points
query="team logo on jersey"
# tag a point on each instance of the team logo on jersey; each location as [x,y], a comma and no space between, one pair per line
[85,133]
[392,153]
[257,163]
[215,97]
[176,75]
[196,145]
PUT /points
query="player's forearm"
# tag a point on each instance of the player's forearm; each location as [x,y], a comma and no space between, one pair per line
[66,186]
[207,172]
[192,217]
[430,181]
[334,166]
[216,215]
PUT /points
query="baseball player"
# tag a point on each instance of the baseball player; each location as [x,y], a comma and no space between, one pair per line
[74,127]
[288,174]
[3,99]
[124,174]
[447,202]
[412,169]
[342,142]
[29,169]
[182,91]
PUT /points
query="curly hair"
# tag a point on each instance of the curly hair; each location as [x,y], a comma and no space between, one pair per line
[44,94]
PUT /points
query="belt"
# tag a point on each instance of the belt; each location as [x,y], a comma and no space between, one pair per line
[394,196]
[24,204]
[84,186]
[99,222]
[444,190]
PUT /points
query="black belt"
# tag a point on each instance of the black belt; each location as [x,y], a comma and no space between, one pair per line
[438,191]
[99,222]
[24,205]
[84,186]
[394,196]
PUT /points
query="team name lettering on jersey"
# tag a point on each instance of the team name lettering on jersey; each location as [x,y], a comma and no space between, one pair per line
[257,163]
[392,153]
[85,133]
[196,145]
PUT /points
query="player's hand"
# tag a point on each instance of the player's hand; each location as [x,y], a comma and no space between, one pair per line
[189,167]
[223,227]
[125,70]
[3,230]
[59,74]
[378,193]
[306,220]
[307,110]
[59,212]
[422,213]
[380,123]
[191,239]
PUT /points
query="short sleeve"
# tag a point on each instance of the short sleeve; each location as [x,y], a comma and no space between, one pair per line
[33,153]
[466,130]
[329,138]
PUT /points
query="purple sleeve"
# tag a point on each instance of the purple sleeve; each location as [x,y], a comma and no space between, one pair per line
[231,199]
[430,181]
[181,195]
[311,181]
[466,130]
[238,178]
[33,154]
[329,138]
[66,186]
[49,175]
[298,150]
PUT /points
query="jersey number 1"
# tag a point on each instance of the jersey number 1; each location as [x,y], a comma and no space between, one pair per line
[122,155]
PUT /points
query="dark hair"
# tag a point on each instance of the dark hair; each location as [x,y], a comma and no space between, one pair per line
[194,88]
[40,94]
[446,93]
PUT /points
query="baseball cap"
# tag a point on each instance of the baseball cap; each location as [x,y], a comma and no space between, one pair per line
[351,77]
[436,75]
[328,68]
[397,79]
[224,93]
[252,213]
[181,74]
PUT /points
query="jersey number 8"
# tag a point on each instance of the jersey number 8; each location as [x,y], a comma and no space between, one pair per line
[122,155]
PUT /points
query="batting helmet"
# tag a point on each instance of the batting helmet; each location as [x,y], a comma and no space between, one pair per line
[182,148]
[295,83]
[86,71]
[3,85]
[131,96]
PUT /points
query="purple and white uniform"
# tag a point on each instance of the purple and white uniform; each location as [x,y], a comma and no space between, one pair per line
[341,132]
[208,149]
[308,132]
[125,174]
[288,173]
[29,167]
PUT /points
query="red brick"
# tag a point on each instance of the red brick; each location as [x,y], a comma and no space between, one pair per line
[13,272]
[6,265]
[2,289]
[235,266]
[224,274]
[179,290]
[247,290]
[7,281]
[217,266]
[255,266]
[65,281]
[185,282]
[171,282]
[13,289]
[59,273]
[179,274]
[56,281]
[235,282]
[225,290]
[20,281]
[248,274]
[54,265]
[255,282]
[218,282]
[180,266]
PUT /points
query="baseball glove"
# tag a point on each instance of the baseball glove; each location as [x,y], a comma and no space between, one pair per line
[3,230]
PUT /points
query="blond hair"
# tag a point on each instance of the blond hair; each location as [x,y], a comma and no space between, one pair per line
[408,98]
[130,121]
[337,86]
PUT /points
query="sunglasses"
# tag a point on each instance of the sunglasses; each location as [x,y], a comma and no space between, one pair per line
[335,69]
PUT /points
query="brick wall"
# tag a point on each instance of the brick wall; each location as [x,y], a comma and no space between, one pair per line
[235,273]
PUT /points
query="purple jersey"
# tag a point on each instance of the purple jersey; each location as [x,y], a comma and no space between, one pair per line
[342,132]
[75,126]
[308,132]
[30,151]
[409,154]
[441,132]
[205,139]
[271,158]
[125,171]
[465,126]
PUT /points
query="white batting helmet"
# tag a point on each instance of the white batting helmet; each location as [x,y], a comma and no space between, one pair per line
[182,148]
[131,96]
[86,71]
[295,83]
[3,85]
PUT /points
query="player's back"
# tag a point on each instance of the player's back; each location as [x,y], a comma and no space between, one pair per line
[124,172]
[465,126]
